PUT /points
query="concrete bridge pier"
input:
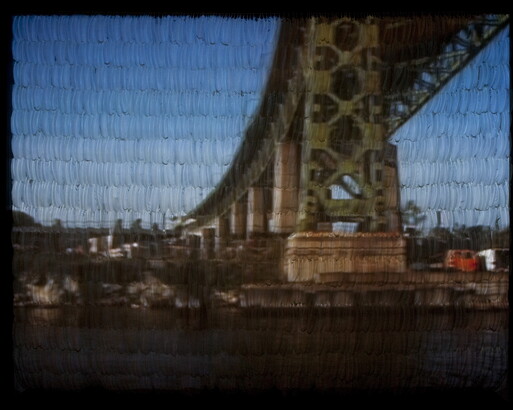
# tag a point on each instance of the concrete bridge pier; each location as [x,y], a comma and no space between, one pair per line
[221,232]
[207,243]
[238,218]
[332,256]
[256,214]
[285,188]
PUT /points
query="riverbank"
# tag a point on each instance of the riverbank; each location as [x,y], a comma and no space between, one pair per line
[56,280]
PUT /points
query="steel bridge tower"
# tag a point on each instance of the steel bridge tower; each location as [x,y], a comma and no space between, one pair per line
[316,167]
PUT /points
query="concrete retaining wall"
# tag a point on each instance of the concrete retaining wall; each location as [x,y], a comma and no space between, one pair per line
[488,293]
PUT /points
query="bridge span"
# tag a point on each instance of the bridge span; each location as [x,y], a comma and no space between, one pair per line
[316,169]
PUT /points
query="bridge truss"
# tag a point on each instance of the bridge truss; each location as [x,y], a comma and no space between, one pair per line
[317,151]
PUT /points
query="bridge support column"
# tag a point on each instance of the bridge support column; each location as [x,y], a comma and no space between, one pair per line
[257,223]
[193,243]
[391,186]
[238,217]
[222,232]
[207,243]
[286,186]
[344,142]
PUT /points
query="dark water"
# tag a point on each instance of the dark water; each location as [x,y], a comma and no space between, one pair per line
[123,349]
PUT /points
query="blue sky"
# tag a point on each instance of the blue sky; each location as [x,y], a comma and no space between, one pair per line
[130,117]
[139,117]
[454,154]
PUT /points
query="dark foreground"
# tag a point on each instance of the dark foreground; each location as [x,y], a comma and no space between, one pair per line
[121,349]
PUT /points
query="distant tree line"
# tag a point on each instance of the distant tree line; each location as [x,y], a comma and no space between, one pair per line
[432,246]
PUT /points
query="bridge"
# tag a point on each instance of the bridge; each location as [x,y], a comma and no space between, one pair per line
[315,167]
